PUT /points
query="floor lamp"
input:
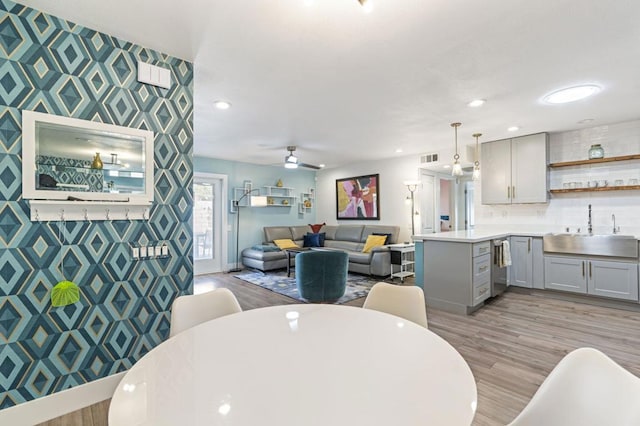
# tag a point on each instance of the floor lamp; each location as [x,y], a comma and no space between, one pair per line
[255,201]
[412,186]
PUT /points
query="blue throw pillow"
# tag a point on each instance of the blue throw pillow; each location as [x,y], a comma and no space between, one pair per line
[314,240]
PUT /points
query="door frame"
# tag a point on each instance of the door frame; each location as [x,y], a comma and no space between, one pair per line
[223,232]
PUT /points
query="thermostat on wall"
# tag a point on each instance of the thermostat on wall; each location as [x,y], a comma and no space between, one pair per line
[154,75]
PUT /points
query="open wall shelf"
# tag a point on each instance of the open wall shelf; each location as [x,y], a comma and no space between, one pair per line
[604,188]
[595,161]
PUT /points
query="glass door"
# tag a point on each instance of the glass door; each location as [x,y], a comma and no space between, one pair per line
[209,221]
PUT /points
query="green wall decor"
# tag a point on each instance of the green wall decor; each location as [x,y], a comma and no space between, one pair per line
[65,293]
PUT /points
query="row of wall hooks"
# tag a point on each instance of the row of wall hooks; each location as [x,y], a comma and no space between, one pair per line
[85,213]
[45,211]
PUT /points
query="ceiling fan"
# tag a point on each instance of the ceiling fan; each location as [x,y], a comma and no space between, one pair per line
[292,162]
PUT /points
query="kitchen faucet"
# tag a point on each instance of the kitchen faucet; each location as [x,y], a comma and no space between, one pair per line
[615,229]
[590,227]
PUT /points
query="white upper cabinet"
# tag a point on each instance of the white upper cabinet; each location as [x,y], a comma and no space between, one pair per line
[515,170]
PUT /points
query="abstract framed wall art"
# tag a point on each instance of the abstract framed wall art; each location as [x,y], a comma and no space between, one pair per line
[357,198]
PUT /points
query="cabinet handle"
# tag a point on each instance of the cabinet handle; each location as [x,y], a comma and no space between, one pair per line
[590,272]
[583,269]
[529,245]
[483,291]
[483,268]
[508,192]
[513,192]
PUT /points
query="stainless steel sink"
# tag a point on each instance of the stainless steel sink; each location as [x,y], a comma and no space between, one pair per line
[594,245]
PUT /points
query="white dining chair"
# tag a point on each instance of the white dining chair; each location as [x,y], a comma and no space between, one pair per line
[402,301]
[585,388]
[188,311]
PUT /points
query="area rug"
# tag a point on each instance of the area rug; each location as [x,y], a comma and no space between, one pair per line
[278,282]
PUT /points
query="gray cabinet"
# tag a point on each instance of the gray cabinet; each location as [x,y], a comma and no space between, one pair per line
[586,275]
[613,279]
[521,269]
[565,273]
[457,275]
[515,170]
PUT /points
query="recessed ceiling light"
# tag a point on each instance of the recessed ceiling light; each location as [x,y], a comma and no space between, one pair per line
[476,103]
[222,104]
[398,151]
[513,129]
[585,121]
[571,94]
[322,166]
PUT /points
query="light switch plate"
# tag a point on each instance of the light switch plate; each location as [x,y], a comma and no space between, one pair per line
[135,252]
[143,251]
[165,250]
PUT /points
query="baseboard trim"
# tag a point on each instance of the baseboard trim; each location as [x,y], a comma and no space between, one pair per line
[63,402]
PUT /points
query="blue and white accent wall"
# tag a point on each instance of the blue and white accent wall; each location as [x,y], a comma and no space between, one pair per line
[51,65]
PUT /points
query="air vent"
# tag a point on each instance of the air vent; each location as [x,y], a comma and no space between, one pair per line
[428,158]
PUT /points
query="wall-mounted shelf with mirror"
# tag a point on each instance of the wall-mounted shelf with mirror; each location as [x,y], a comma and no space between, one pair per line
[75,165]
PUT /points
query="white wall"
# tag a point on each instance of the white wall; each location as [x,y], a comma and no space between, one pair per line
[392,192]
[570,210]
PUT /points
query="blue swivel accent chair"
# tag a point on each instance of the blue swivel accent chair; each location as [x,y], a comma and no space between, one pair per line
[321,276]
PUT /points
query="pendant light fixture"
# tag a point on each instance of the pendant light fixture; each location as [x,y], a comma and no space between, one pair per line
[456,170]
[476,164]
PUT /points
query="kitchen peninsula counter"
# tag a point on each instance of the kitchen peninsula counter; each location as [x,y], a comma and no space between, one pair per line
[484,234]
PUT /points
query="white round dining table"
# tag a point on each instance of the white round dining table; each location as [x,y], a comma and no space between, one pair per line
[308,365]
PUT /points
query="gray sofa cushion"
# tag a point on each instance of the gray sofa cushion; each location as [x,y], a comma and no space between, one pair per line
[330,231]
[351,233]
[251,253]
[359,257]
[277,233]
[298,232]
[343,245]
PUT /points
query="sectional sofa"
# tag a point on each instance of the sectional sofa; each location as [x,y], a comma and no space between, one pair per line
[348,238]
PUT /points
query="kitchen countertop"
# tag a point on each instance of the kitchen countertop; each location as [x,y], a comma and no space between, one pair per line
[486,233]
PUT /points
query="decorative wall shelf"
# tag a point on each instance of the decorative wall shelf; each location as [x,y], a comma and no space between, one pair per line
[279,196]
[595,161]
[604,188]
[306,202]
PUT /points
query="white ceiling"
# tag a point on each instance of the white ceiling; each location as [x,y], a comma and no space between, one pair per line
[346,86]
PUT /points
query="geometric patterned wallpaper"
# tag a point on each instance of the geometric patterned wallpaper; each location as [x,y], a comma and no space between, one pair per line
[69,171]
[51,65]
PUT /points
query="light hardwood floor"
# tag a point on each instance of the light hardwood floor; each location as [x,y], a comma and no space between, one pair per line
[511,344]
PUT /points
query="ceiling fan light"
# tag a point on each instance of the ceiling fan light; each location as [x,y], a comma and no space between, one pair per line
[290,165]
[291,159]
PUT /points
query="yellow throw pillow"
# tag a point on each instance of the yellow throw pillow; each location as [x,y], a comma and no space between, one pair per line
[374,241]
[285,244]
